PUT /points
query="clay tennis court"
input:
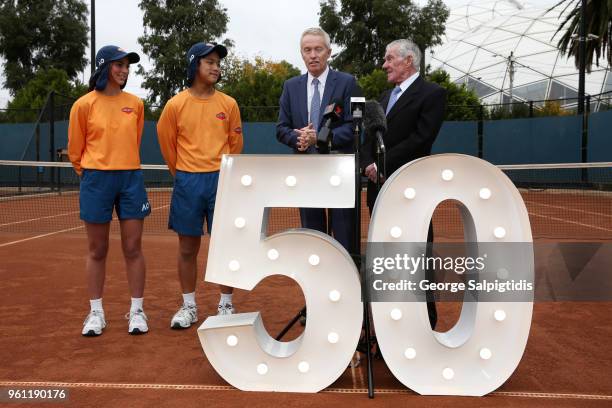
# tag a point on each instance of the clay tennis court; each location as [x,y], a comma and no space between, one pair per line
[568,360]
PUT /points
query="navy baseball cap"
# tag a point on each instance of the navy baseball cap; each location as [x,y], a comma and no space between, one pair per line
[104,57]
[197,51]
[110,53]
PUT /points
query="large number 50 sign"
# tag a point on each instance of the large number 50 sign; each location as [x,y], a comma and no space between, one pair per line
[473,358]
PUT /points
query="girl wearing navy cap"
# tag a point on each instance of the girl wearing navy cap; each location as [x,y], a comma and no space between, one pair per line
[103,145]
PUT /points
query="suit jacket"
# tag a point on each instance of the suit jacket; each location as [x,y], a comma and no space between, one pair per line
[293,112]
[412,127]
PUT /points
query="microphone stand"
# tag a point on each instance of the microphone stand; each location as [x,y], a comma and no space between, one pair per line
[357,256]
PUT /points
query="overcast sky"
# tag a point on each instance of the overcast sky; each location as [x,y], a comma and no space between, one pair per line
[268,28]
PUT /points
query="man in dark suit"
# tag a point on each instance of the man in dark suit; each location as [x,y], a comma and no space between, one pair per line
[415,111]
[302,103]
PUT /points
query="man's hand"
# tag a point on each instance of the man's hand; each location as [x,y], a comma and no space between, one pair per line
[371,171]
[307,137]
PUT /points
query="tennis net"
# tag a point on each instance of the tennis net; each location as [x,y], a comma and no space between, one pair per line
[564,201]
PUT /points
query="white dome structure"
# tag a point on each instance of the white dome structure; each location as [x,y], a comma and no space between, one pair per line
[486,38]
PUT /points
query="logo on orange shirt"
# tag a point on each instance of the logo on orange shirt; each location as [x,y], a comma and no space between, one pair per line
[221,115]
[127,110]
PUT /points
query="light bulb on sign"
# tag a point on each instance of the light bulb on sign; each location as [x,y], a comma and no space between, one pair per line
[246,180]
[273,254]
[239,222]
[447,175]
[410,353]
[410,193]
[499,315]
[262,369]
[303,367]
[396,232]
[499,232]
[313,260]
[333,337]
[232,340]
[448,373]
[485,353]
[396,314]
[290,181]
[485,193]
[334,295]
[335,181]
[234,265]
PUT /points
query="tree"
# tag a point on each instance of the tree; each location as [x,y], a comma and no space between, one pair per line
[256,86]
[374,84]
[598,31]
[364,27]
[170,28]
[28,101]
[41,34]
[461,102]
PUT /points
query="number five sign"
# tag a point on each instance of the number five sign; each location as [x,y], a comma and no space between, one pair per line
[474,358]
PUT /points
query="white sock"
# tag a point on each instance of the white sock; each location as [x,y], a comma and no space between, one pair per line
[189,299]
[136,304]
[96,305]
[225,299]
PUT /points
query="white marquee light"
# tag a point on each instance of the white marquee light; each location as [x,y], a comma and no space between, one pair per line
[273,254]
[333,337]
[303,367]
[447,174]
[335,180]
[448,373]
[334,296]
[396,232]
[234,266]
[410,193]
[314,259]
[499,232]
[291,181]
[500,315]
[232,340]
[410,353]
[395,314]
[262,369]
[246,180]
[316,358]
[239,222]
[427,374]
[484,193]
[485,353]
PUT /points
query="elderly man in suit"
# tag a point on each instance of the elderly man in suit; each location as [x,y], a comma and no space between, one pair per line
[415,111]
[302,104]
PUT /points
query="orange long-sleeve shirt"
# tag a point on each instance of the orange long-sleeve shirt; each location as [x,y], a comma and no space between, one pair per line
[195,132]
[105,132]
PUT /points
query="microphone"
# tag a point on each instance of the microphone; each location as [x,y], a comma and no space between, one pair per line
[375,122]
[331,114]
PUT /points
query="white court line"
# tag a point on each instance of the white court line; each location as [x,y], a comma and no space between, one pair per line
[569,209]
[39,218]
[60,231]
[203,387]
[570,222]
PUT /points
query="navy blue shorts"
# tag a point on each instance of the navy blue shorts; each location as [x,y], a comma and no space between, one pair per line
[103,190]
[193,201]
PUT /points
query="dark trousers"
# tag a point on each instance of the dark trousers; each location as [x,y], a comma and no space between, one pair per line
[342,223]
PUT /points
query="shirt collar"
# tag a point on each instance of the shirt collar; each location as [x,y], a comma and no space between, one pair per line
[408,81]
[322,78]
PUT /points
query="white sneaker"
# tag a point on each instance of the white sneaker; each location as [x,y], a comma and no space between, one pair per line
[226,309]
[93,324]
[185,317]
[138,322]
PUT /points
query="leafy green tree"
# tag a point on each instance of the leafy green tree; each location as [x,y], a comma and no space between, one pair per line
[28,101]
[41,34]
[256,86]
[364,27]
[170,28]
[461,102]
[598,29]
[374,83]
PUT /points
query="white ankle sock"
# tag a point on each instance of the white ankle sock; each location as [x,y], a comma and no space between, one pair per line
[96,305]
[136,304]
[189,299]
[225,299]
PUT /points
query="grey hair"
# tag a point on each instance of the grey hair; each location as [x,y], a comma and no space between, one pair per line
[316,31]
[405,48]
